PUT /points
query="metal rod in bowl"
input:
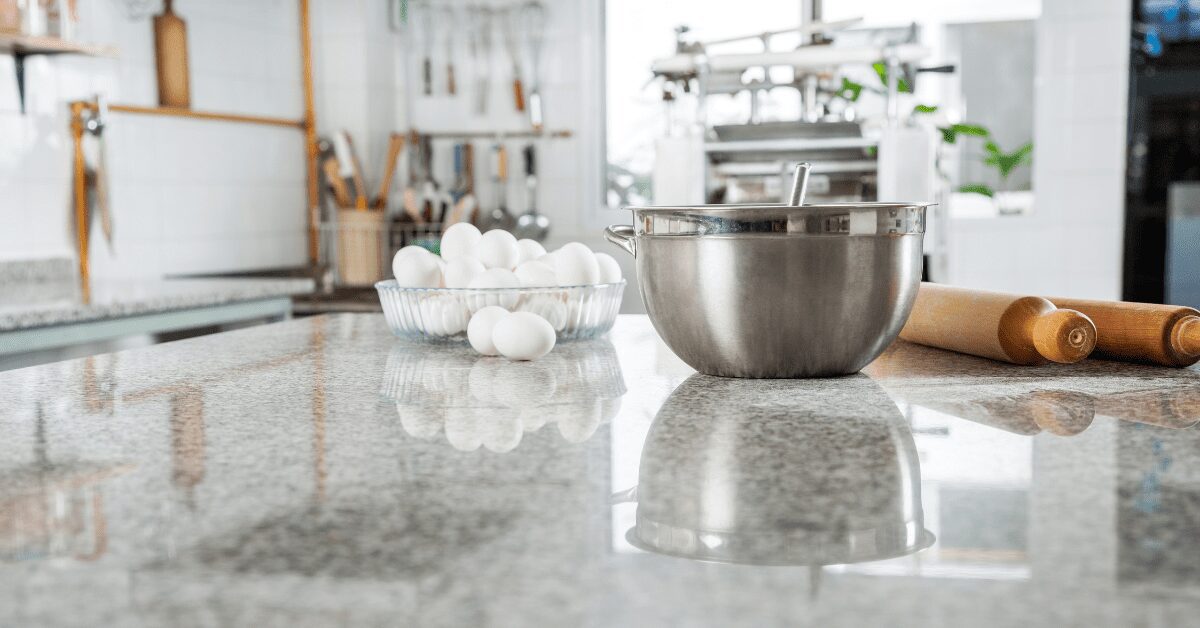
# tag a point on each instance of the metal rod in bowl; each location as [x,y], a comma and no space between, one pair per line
[800,183]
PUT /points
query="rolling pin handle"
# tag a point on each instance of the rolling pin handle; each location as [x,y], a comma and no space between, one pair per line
[1186,337]
[1064,336]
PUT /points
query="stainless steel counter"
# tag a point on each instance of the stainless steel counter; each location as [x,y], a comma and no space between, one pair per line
[319,472]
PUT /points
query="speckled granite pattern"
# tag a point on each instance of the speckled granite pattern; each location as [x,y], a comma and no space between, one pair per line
[320,472]
[28,304]
[50,269]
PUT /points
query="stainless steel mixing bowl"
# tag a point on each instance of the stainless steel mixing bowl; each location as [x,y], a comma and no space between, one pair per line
[777,290]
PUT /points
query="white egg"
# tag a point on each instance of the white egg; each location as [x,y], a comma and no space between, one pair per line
[548,307]
[495,278]
[498,249]
[481,326]
[460,240]
[575,265]
[549,259]
[610,270]
[529,250]
[523,336]
[535,274]
[461,270]
[415,267]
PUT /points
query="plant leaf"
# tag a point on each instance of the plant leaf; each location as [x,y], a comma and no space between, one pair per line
[977,188]
[949,135]
[971,129]
[992,148]
[925,109]
[881,71]
[850,90]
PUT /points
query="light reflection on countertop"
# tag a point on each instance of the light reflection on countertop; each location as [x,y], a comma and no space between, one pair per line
[320,472]
[31,304]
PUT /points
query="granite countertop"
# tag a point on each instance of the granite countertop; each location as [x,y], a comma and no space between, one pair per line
[320,472]
[26,304]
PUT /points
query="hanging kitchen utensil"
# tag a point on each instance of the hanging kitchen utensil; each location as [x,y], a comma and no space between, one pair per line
[412,200]
[341,195]
[531,224]
[350,167]
[481,56]
[500,217]
[99,174]
[467,207]
[533,27]
[449,30]
[431,206]
[171,58]
[512,45]
[395,145]
[424,31]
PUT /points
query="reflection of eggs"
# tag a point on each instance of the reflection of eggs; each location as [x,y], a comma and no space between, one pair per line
[501,430]
[579,421]
[532,419]
[609,408]
[421,422]
[462,429]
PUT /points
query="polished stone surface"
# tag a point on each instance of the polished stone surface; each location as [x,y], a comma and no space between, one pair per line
[26,304]
[319,472]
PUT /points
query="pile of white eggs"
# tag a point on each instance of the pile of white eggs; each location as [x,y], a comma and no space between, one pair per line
[500,323]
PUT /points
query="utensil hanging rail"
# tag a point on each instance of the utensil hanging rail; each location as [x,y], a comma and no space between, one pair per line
[199,115]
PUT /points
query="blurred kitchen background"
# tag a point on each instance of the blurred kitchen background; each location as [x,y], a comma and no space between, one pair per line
[143,140]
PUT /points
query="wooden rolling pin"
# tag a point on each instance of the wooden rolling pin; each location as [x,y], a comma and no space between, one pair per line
[1168,335]
[1006,327]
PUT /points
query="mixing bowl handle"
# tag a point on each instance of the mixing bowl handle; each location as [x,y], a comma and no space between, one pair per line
[622,236]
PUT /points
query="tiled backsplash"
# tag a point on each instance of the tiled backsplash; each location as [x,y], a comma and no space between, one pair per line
[198,196]
[1071,244]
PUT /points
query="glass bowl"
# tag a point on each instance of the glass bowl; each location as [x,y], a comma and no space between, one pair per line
[442,314]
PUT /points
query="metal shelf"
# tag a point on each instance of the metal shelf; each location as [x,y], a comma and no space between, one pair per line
[789,145]
[21,46]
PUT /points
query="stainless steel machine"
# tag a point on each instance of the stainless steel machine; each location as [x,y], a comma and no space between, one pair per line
[856,156]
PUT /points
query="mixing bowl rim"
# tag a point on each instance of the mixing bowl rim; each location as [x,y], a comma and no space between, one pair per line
[745,207]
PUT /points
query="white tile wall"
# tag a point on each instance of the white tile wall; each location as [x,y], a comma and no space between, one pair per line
[194,196]
[1071,244]
[187,196]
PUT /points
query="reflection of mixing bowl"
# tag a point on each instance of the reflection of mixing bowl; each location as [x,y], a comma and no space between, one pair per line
[492,402]
[781,472]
